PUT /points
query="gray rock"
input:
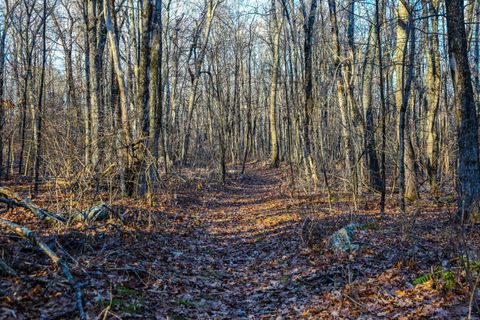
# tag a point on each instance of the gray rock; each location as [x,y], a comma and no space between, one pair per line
[98,213]
[341,240]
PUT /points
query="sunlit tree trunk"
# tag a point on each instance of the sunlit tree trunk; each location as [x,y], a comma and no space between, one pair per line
[432,54]
[40,105]
[403,81]
[127,151]
[276,26]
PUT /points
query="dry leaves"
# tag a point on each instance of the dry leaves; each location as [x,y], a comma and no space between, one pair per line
[222,252]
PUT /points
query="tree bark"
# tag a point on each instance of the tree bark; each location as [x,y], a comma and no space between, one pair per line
[373,174]
[96,37]
[432,54]
[308,28]
[468,178]
[276,29]
[127,152]
[40,105]
[403,76]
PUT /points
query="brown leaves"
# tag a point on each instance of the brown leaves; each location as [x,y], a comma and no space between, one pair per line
[235,252]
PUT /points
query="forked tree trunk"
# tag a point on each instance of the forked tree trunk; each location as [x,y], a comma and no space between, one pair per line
[127,152]
[196,73]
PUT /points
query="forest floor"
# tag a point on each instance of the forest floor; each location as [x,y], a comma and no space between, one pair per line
[237,251]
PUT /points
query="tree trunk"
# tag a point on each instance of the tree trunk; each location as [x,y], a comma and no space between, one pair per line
[373,174]
[308,25]
[40,104]
[383,102]
[403,76]
[156,92]
[277,29]
[468,178]
[341,96]
[432,54]
[96,45]
[126,162]
[3,36]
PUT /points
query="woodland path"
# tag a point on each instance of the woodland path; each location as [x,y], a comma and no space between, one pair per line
[244,258]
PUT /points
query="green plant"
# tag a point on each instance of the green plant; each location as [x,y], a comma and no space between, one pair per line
[333,197]
[123,305]
[186,303]
[125,292]
[438,275]
[422,279]
[448,279]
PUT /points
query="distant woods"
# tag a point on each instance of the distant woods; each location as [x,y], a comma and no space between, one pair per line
[364,96]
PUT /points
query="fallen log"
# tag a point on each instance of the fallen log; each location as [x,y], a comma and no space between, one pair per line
[30,235]
[11,198]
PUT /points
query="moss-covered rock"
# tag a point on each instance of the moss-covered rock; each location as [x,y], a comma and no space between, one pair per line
[342,240]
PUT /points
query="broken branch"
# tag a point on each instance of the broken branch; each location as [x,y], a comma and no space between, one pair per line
[30,235]
[14,199]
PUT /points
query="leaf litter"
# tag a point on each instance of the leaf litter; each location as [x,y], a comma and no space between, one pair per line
[210,251]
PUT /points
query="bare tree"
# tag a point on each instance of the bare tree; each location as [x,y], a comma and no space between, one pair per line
[468,168]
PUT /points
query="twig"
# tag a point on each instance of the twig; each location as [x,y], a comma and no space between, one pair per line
[6,268]
[355,302]
[30,235]
[472,298]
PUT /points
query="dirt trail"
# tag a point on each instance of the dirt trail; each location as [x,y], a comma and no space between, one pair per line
[248,255]
[241,257]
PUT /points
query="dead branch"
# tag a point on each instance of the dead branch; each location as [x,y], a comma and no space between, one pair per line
[30,235]
[14,199]
[7,269]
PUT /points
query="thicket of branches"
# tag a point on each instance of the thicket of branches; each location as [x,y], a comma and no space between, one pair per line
[121,92]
